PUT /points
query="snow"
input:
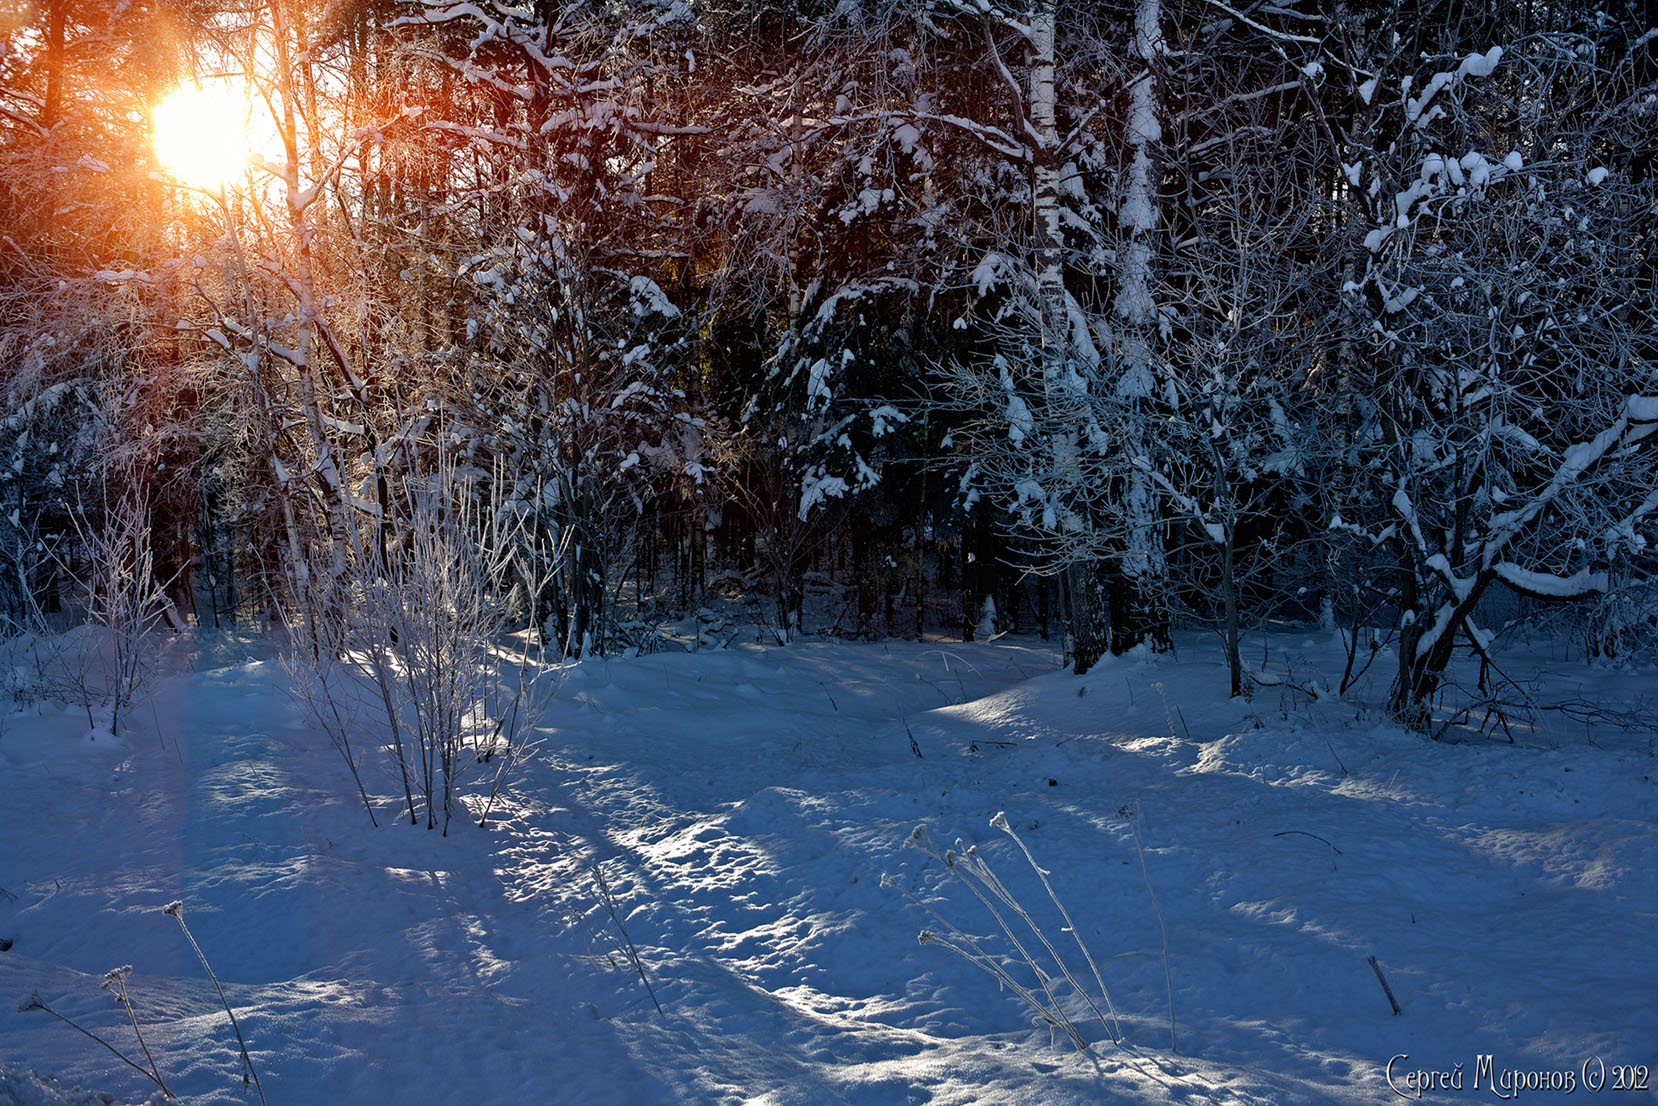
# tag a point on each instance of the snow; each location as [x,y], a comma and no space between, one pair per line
[743,805]
[1581,582]
[1404,201]
[1414,105]
[1639,409]
[649,299]
[1480,65]
[990,272]
[1477,168]
[884,418]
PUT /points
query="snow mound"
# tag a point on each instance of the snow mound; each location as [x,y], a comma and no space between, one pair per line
[19,1087]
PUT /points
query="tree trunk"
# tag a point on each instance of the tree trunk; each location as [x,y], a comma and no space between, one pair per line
[52,110]
[1084,614]
[1139,616]
[1229,596]
[1086,638]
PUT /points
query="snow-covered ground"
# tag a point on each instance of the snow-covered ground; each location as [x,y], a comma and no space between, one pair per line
[743,806]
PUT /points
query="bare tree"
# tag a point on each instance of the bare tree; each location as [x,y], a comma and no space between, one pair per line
[1502,312]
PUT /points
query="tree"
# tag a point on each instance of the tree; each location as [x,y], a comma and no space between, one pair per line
[1504,371]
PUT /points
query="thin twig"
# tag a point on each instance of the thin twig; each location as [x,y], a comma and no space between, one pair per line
[1115,1026]
[1168,972]
[176,909]
[35,1002]
[116,982]
[1388,991]
[960,865]
[607,899]
[977,956]
[1304,833]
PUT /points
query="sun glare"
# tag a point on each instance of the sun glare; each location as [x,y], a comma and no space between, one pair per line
[201,133]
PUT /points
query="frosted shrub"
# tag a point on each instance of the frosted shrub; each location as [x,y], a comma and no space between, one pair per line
[411,646]
[1621,624]
[971,868]
[108,662]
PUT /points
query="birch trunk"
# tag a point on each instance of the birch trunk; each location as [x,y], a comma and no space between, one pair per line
[1061,386]
[292,84]
[1137,614]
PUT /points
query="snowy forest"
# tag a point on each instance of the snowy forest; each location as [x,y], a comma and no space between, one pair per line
[1087,319]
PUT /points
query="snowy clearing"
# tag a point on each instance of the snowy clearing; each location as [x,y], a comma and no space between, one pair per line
[743,806]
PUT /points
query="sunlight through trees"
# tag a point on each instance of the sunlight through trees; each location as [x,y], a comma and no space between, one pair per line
[950,317]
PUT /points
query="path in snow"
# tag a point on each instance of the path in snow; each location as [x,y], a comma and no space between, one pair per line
[744,805]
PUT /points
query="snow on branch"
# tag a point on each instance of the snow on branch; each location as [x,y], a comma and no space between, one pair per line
[1551,585]
[1637,420]
[1281,36]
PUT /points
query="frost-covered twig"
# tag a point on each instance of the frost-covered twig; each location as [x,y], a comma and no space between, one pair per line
[1114,1027]
[176,909]
[976,875]
[115,981]
[976,955]
[607,899]
[1168,973]
[35,1002]
[968,862]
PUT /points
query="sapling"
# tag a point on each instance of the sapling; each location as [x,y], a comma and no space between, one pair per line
[124,601]
[413,640]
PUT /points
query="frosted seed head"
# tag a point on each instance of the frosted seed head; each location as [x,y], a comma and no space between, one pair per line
[175,908]
[33,1002]
[917,837]
[887,882]
[1000,822]
[926,937]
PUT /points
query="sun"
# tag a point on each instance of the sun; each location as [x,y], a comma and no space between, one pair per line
[201,133]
